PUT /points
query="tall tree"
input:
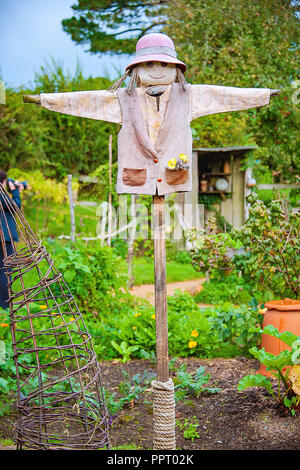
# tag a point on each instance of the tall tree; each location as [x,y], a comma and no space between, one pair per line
[113,26]
[56,144]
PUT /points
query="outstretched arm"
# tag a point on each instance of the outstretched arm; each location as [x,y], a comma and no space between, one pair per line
[213,99]
[100,105]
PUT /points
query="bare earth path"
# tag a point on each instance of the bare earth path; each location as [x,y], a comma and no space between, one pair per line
[146,291]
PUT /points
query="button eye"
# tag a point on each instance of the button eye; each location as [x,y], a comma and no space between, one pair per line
[150,64]
[163,64]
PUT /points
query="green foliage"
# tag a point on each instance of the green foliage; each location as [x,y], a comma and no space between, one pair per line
[96,276]
[129,389]
[271,242]
[265,249]
[192,384]
[189,428]
[277,366]
[176,271]
[124,350]
[57,144]
[257,380]
[112,26]
[222,289]
[212,250]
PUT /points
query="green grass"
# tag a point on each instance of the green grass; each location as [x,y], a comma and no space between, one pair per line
[143,269]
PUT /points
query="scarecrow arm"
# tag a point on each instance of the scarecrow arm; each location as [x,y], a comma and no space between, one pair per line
[213,99]
[100,105]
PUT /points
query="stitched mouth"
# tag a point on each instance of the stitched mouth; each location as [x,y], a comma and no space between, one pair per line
[157,78]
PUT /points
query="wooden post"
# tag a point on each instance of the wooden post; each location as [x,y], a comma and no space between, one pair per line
[162,355]
[109,194]
[72,214]
[163,386]
[131,237]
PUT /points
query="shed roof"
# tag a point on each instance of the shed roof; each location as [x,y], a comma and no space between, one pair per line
[224,151]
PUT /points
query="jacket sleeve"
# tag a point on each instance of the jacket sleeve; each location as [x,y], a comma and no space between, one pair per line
[213,99]
[100,104]
[5,202]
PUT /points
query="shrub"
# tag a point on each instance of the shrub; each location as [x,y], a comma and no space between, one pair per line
[266,249]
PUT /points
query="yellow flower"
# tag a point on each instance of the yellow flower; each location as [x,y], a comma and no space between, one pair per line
[192,344]
[43,307]
[3,325]
[194,333]
[172,163]
[134,327]
[184,157]
[262,310]
[153,317]
[137,314]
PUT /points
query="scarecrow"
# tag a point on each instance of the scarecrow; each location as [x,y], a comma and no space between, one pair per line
[154,158]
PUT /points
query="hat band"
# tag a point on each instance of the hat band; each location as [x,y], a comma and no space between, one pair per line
[156,50]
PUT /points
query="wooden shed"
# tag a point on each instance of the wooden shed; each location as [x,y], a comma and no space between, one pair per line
[218,172]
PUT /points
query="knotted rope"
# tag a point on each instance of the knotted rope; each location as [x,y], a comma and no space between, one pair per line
[163,415]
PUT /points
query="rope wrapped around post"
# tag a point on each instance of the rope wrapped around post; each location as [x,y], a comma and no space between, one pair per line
[163,415]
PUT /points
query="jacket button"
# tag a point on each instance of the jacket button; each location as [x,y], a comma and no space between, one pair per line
[159,180]
[155,160]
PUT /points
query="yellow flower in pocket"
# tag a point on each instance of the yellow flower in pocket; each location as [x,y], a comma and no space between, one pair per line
[184,157]
[172,163]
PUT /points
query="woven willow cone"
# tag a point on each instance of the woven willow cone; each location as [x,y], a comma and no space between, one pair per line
[60,398]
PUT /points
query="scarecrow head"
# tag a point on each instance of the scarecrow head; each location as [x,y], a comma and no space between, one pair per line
[155,63]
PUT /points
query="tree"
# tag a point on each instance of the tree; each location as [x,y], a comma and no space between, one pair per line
[56,144]
[112,26]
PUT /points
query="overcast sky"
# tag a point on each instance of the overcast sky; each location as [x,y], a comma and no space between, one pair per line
[31,33]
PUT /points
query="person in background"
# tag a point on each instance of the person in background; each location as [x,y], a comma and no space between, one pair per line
[8,228]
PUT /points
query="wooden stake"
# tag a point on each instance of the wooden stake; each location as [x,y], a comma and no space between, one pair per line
[109,194]
[162,355]
[131,238]
[72,214]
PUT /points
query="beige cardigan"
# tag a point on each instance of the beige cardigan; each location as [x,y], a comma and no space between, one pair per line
[200,100]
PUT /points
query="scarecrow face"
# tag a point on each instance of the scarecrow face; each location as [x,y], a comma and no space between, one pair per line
[156,73]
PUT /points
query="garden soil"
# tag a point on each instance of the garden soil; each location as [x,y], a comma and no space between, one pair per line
[228,420]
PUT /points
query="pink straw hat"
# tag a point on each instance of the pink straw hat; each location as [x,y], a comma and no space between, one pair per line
[156,47]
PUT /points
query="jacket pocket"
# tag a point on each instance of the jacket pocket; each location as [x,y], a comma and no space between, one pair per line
[177,176]
[134,177]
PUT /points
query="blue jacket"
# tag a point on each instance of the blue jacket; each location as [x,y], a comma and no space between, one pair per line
[7,222]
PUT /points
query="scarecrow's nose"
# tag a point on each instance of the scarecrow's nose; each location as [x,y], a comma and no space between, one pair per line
[157,66]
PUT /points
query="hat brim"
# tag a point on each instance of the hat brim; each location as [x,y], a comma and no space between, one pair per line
[156,58]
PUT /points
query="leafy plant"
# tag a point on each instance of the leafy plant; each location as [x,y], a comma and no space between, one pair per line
[129,389]
[266,249]
[124,350]
[276,365]
[192,384]
[189,428]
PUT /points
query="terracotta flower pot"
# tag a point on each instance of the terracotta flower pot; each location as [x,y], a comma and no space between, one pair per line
[285,316]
